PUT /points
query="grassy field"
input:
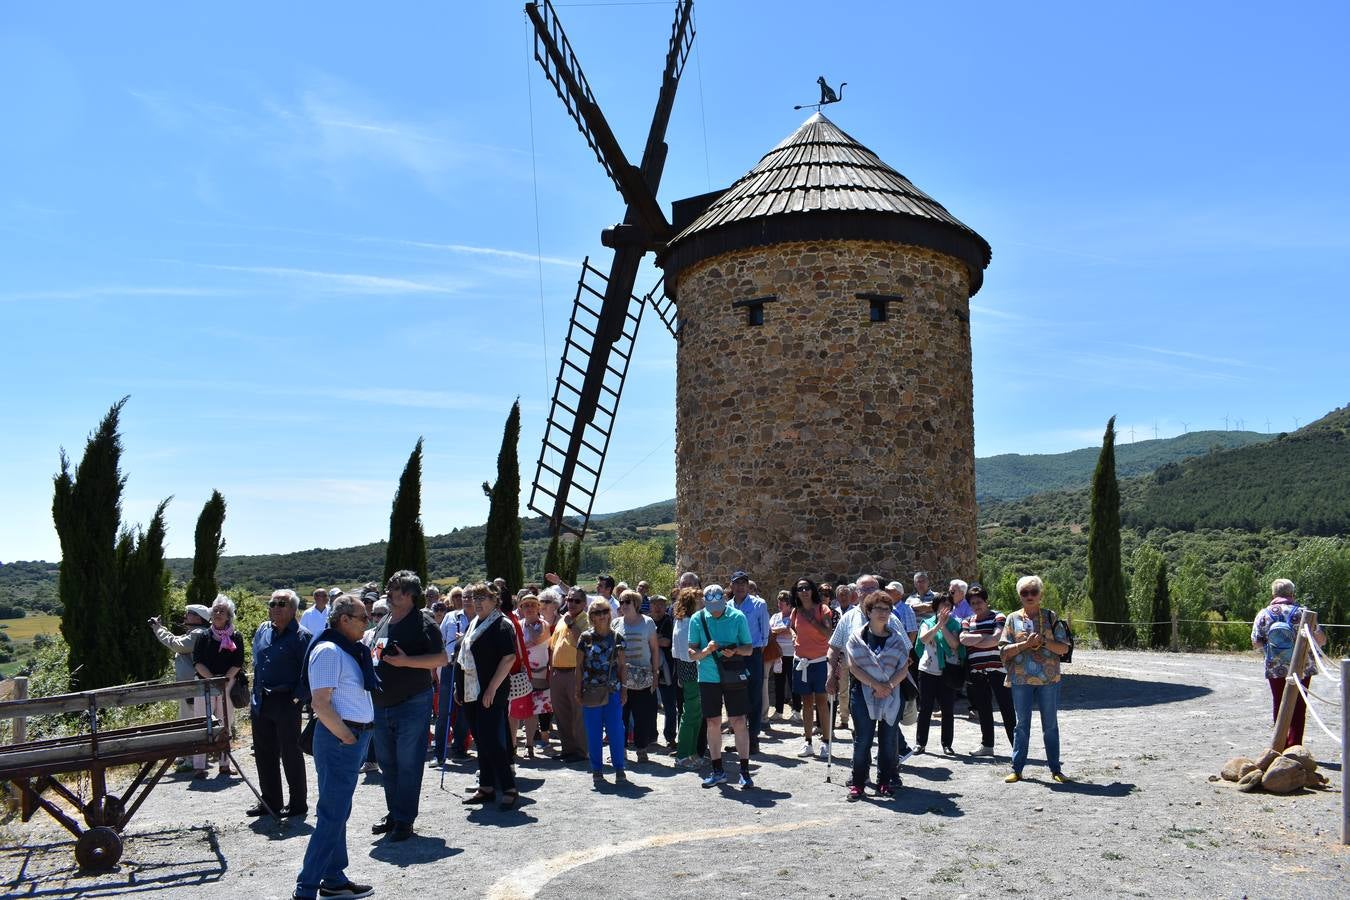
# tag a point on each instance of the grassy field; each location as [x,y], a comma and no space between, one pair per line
[29,627]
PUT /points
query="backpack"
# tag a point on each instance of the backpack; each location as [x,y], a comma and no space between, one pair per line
[1280,638]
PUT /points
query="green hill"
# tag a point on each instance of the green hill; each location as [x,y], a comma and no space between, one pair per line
[1011,476]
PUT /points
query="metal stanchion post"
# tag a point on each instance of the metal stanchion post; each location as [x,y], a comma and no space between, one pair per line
[1345,742]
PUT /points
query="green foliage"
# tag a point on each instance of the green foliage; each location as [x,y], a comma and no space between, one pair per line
[501,539]
[407,547]
[1105,577]
[1296,482]
[563,559]
[1191,593]
[634,561]
[1145,564]
[1160,615]
[250,611]
[145,590]
[1012,476]
[111,579]
[1241,591]
[209,545]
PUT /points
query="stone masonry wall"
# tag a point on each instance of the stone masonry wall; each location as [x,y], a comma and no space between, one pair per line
[821,443]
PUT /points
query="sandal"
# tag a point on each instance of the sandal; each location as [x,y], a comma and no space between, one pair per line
[478,796]
[509,800]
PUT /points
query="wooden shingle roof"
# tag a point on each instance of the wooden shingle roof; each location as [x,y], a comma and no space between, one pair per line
[819,183]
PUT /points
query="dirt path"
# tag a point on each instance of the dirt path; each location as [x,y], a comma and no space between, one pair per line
[1141,735]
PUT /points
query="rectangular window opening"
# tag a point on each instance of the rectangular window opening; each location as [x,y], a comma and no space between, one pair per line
[878,305]
[754,309]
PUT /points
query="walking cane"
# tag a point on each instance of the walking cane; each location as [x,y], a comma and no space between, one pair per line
[829,745]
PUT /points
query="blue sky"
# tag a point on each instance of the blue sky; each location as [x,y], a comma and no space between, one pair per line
[302,235]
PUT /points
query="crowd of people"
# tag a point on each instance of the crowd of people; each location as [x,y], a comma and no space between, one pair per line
[507,675]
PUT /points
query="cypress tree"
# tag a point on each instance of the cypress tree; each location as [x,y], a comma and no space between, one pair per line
[407,548]
[563,558]
[501,540]
[209,545]
[1106,580]
[1160,633]
[145,594]
[87,510]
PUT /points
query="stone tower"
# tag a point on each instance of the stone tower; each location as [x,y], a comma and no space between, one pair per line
[824,420]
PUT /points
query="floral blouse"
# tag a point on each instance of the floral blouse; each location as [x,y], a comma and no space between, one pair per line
[1033,667]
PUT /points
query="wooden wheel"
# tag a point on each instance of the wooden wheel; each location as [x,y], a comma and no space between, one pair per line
[98,848]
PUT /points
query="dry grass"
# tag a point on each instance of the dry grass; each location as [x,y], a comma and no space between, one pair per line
[29,627]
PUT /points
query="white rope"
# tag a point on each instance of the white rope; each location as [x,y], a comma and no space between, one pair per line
[1318,656]
[1308,705]
[1189,622]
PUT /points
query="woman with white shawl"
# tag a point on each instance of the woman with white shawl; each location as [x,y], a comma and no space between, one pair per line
[878,660]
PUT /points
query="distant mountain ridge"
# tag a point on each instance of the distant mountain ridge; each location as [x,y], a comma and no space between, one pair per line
[1011,476]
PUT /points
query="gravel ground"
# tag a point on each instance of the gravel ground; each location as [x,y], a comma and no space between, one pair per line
[1141,734]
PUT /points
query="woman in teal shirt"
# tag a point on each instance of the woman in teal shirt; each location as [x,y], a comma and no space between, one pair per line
[940,638]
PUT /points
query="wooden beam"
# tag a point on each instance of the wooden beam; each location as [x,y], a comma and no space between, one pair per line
[1287,700]
[109,698]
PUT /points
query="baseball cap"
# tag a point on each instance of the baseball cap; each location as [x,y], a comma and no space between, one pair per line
[738,575]
[714,598]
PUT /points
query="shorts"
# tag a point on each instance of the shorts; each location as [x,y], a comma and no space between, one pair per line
[714,694]
[812,681]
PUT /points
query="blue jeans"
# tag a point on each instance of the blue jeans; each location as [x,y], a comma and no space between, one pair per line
[888,753]
[338,765]
[756,685]
[401,747]
[608,718]
[1046,698]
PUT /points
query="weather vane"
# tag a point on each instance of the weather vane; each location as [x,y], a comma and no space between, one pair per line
[827,95]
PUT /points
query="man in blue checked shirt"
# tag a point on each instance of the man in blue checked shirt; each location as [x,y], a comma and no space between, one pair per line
[279,649]
[756,613]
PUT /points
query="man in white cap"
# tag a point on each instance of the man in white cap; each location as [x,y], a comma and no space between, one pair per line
[195,619]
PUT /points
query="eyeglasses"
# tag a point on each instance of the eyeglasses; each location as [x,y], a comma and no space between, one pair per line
[576,599]
[1030,592]
[361,618]
[883,609]
[378,615]
[602,615]
[625,602]
[276,604]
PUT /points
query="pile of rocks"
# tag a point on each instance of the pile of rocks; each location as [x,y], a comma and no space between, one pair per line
[1278,773]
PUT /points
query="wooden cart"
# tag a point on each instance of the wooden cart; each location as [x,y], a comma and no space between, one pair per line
[34,767]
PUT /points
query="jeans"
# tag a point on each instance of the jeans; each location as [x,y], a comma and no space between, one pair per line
[488,724]
[983,689]
[888,753]
[932,689]
[1044,697]
[401,746]
[608,718]
[276,746]
[326,854]
[641,709]
[671,702]
[756,686]
[691,722]
[446,709]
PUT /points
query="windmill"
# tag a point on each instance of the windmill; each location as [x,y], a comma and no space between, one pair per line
[605,312]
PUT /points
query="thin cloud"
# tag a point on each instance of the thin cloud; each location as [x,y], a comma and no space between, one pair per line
[1199,357]
[98,292]
[345,282]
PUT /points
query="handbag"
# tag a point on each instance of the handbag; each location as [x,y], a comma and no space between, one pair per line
[518,685]
[594,694]
[772,651]
[239,693]
[734,672]
[639,678]
[686,671]
[954,675]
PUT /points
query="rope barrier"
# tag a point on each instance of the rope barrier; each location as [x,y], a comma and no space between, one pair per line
[1316,718]
[1189,622]
[1318,656]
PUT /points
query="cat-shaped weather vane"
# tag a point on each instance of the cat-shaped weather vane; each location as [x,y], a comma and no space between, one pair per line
[827,95]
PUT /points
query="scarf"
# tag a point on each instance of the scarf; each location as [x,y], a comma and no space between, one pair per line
[881,664]
[356,650]
[225,638]
[472,687]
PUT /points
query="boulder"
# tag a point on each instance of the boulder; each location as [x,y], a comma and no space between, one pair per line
[1235,768]
[1284,776]
[1250,782]
[1303,756]
[1265,759]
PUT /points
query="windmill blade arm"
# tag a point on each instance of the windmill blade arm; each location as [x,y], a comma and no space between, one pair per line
[681,42]
[554,53]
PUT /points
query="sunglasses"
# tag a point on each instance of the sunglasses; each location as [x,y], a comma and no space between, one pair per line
[803,587]
[1030,592]
[277,604]
[602,615]
[625,602]
[361,618]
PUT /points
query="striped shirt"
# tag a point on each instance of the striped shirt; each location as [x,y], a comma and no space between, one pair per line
[332,667]
[984,659]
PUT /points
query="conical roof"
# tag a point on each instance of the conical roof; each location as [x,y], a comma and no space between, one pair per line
[819,183]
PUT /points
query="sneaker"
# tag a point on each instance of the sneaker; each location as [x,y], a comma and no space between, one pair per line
[796,717]
[689,762]
[620,777]
[745,780]
[920,750]
[889,790]
[715,778]
[985,750]
[642,756]
[370,767]
[855,792]
[350,889]
[1059,777]
[806,749]
[824,749]
[1012,778]
[905,754]
[948,750]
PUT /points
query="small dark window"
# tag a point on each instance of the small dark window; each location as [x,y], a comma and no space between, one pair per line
[877,305]
[754,309]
